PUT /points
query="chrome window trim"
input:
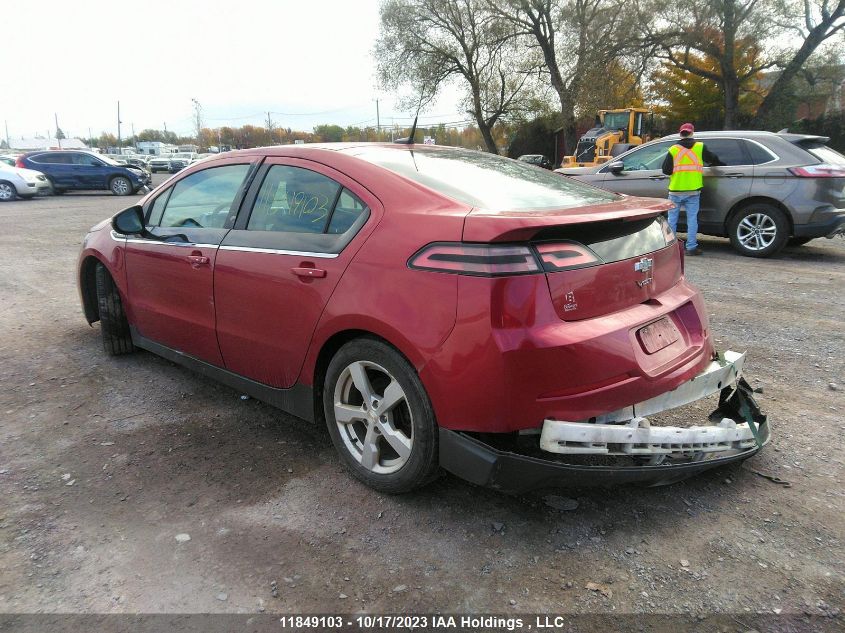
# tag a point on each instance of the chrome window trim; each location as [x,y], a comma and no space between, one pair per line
[118,237]
[276,251]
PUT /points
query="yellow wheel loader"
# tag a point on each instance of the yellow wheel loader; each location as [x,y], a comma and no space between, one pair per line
[615,132]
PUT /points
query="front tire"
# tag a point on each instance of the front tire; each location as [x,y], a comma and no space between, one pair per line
[114,326]
[120,186]
[759,230]
[380,418]
[7,191]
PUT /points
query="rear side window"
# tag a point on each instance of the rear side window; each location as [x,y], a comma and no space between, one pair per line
[758,154]
[53,158]
[203,199]
[348,209]
[729,151]
[296,200]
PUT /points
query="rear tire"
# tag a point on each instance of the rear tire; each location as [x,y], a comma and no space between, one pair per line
[7,191]
[798,241]
[758,230]
[380,418]
[114,326]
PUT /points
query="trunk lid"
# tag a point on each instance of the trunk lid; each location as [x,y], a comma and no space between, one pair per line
[597,260]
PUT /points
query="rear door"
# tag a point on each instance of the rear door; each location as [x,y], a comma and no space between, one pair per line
[57,165]
[724,186]
[170,276]
[642,174]
[302,223]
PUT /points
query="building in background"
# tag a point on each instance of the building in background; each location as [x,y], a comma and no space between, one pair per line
[35,144]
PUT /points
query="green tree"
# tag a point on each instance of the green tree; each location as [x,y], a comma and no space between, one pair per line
[684,96]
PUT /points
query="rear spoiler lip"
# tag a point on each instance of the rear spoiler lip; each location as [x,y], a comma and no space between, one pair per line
[482,225]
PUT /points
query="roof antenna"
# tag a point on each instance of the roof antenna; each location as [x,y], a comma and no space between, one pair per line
[409,140]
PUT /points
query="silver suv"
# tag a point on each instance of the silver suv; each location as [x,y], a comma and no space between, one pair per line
[774,188]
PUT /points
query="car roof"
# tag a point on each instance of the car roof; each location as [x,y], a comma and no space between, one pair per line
[752,134]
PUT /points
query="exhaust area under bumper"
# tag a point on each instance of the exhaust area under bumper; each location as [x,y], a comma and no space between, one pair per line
[659,455]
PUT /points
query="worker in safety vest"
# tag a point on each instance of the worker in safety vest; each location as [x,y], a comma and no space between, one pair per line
[685,163]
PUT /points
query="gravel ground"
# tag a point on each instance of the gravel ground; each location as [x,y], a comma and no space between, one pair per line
[131,485]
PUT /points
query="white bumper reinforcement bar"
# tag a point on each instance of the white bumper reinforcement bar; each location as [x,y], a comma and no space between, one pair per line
[628,432]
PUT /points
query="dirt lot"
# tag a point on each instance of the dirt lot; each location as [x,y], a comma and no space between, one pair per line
[103,462]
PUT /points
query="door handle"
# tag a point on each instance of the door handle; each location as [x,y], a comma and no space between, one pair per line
[734,175]
[664,177]
[308,272]
[197,260]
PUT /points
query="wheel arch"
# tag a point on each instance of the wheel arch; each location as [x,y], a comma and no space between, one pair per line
[88,288]
[739,206]
[327,351]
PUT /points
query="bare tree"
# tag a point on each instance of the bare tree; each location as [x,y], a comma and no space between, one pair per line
[814,22]
[577,40]
[426,43]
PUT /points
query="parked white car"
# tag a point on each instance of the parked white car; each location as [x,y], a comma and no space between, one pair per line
[22,183]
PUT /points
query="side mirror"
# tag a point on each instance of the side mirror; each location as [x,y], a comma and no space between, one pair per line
[616,167]
[129,221]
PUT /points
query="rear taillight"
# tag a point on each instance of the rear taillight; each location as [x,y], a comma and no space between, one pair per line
[558,256]
[823,170]
[482,260]
[19,163]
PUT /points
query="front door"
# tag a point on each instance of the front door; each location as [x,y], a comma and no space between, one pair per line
[89,171]
[170,276]
[642,174]
[277,269]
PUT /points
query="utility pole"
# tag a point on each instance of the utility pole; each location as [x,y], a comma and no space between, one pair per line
[198,117]
[8,142]
[55,114]
[118,128]
[378,126]
[270,126]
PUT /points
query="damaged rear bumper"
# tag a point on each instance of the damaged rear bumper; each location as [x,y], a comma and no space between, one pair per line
[737,431]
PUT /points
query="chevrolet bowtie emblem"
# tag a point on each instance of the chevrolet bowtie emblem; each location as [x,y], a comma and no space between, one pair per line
[644,266]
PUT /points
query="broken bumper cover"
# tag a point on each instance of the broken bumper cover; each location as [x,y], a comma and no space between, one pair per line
[738,431]
[629,432]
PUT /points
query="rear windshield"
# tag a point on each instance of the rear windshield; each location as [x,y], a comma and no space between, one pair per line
[485,180]
[825,154]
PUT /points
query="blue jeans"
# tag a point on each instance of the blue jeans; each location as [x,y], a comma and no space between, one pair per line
[690,203]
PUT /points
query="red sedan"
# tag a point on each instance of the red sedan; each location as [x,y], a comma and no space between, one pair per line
[437,308]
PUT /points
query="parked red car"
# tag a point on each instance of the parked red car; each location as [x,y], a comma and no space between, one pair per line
[436,307]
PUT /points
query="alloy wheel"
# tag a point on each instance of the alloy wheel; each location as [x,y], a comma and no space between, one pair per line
[373,417]
[756,231]
[6,192]
[120,186]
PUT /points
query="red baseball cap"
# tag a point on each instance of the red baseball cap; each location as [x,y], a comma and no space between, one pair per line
[687,127]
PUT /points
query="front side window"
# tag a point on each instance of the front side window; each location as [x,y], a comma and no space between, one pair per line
[293,200]
[646,158]
[86,159]
[203,199]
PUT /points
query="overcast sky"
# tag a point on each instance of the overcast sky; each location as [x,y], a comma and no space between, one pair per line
[307,61]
